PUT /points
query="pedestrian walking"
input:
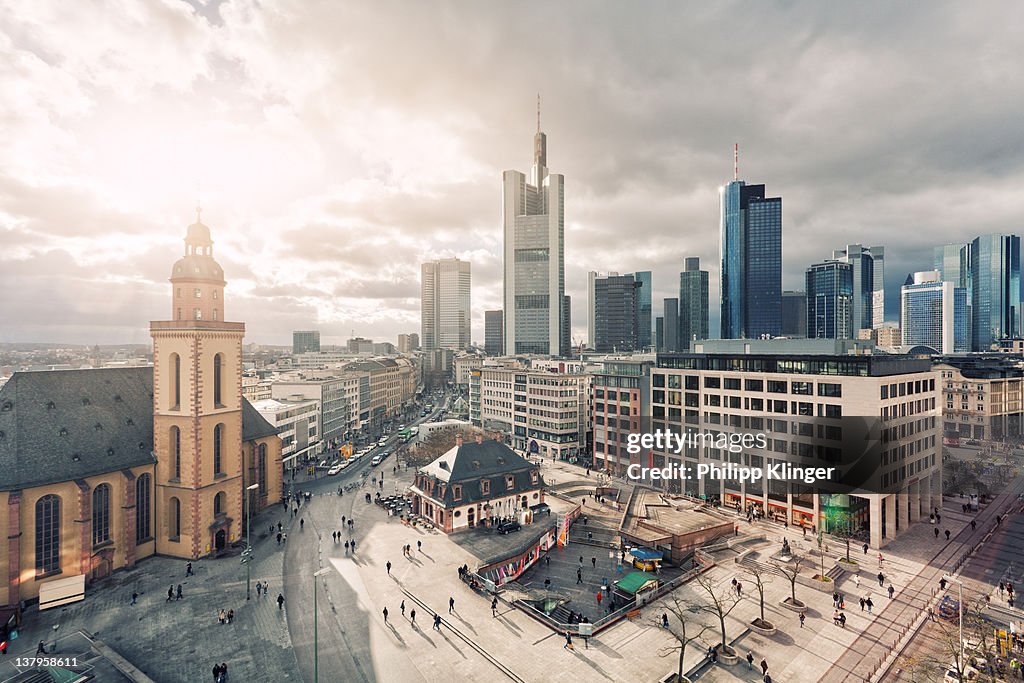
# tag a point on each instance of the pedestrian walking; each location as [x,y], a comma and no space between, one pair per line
[599,598]
[579,577]
[437,622]
[388,565]
[279,538]
[881,579]
[412,617]
[385,615]
[891,591]
[856,580]
[865,546]
[170,593]
[802,619]
[353,542]
[216,673]
[879,560]
[750,661]
[346,547]
[135,596]
[936,533]
[664,619]
[494,607]
[188,569]
[451,605]
[280,601]
[593,562]
[419,546]
[568,642]
[739,589]
[547,584]
[178,595]
[764,666]
[863,602]
[870,604]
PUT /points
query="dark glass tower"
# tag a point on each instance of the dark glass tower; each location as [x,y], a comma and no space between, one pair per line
[616,313]
[751,285]
[830,300]
[643,332]
[693,304]
[995,289]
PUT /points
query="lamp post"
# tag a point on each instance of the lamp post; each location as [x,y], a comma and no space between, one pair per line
[960,605]
[248,545]
[316,623]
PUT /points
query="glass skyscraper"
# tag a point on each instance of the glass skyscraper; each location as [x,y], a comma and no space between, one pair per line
[995,289]
[616,313]
[644,322]
[868,284]
[751,282]
[830,300]
[933,313]
[693,304]
[533,213]
[445,287]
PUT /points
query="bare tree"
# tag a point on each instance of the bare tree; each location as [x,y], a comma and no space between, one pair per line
[842,526]
[437,444]
[791,571]
[761,576]
[683,628]
[721,601]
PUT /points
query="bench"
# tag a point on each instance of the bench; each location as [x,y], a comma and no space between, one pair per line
[633,614]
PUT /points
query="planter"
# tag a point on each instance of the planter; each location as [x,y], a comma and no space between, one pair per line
[728,656]
[765,628]
[793,606]
[673,678]
[850,567]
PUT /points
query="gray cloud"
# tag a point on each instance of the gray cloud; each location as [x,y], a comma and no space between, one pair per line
[342,143]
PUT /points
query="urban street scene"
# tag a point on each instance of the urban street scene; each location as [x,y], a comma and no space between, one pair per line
[412,342]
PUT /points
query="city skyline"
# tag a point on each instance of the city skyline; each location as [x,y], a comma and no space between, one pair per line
[328,178]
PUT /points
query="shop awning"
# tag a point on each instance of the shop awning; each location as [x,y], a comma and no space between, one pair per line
[646,554]
[635,582]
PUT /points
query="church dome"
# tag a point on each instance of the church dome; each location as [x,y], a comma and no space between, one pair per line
[198,234]
[196,267]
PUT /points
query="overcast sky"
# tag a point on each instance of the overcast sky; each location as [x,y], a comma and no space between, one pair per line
[337,145]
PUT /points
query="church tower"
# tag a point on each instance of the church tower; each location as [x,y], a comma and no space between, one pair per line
[197,409]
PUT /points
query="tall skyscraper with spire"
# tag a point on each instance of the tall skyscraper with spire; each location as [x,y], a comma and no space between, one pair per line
[533,215]
[751,282]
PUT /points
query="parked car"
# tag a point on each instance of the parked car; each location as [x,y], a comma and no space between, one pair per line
[334,470]
[509,527]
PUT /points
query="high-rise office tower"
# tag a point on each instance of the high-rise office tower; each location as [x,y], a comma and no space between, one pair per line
[643,332]
[995,289]
[304,341]
[445,290]
[868,284]
[693,303]
[794,314]
[751,283]
[533,215]
[616,309]
[953,261]
[670,325]
[830,300]
[934,313]
[659,334]
[493,331]
[407,343]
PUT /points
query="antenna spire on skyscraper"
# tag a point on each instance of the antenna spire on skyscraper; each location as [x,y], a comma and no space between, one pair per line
[736,161]
[538,112]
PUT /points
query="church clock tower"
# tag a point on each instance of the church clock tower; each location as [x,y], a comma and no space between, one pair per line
[197,409]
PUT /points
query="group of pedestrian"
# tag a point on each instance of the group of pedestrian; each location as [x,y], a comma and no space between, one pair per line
[220,673]
[173,594]
[866,604]
[262,588]
[936,530]
[839,618]
[226,617]
[737,588]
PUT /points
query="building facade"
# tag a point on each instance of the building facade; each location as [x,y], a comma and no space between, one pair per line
[794,314]
[407,343]
[806,406]
[305,341]
[446,286]
[830,300]
[693,304]
[751,250]
[670,324]
[533,215]
[982,398]
[620,396]
[615,312]
[645,327]
[994,289]
[494,331]
[867,265]
[933,313]
[477,484]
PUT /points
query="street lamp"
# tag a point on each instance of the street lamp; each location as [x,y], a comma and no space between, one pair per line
[316,623]
[248,544]
[960,590]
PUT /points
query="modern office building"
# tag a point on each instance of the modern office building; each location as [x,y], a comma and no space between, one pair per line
[494,331]
[621,400]
[407,343]
[445,287]
[953,261]
[794,314]
[659,333]
[751,275]
[615,312]
[533,215]
[830,300]
[332,397]
[670,324]
[305,341]
[809,409]
[644,330]
[868,270]
[693,304]
[933,313]
[995,289]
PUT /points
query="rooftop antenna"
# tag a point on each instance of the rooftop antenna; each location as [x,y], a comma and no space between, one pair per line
[199,211]
[538,112]
[736,161]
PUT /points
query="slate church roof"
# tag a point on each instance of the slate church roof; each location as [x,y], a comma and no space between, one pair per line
[61,425]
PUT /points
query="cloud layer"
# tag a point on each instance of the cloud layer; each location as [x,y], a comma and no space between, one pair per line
[335,146]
